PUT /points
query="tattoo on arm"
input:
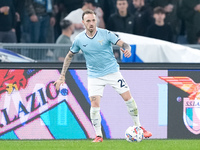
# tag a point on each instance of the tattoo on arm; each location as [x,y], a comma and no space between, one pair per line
[126,46]
[66,63]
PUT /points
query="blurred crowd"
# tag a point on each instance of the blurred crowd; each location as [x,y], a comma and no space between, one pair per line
[58,21]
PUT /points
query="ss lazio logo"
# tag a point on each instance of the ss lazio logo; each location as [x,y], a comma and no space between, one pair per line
[101,42]
[191,105]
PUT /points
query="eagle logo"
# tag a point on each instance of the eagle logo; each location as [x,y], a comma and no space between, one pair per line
[101,42]
[191,104]
[186,84]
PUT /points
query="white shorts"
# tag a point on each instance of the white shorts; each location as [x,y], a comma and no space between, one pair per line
[116,80]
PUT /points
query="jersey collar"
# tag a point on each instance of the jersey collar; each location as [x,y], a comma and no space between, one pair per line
[93,36]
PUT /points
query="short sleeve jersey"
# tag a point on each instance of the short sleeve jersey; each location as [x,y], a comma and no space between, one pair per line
[98,52]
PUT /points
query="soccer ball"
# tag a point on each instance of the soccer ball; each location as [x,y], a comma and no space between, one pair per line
[134,133]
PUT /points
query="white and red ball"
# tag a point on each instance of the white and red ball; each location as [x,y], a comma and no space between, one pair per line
[134,134]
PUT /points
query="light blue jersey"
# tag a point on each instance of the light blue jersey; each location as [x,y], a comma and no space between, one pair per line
[98,52]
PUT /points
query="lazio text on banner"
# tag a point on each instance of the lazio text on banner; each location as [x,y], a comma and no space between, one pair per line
[31,108]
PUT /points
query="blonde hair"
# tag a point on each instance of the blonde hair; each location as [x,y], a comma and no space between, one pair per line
[87,11]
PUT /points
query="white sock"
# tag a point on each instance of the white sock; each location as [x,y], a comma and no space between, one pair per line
[96,120]
[133,111]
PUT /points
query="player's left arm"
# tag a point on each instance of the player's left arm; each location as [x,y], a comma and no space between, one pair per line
[125,48]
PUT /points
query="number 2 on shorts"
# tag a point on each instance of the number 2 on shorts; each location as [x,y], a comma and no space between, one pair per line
[122,82]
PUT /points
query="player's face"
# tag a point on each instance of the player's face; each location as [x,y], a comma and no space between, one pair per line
[122,5]
[89,22]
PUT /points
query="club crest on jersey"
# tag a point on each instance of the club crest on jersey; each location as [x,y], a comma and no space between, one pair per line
[191,104]
[101,42]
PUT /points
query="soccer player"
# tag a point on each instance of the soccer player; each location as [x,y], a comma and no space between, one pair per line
[102,67]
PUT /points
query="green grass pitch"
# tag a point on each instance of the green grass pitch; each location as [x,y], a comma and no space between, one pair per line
[146,144]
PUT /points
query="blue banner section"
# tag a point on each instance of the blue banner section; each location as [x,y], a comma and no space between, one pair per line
[134,57]
[70,130]
[189,113]
[9,135]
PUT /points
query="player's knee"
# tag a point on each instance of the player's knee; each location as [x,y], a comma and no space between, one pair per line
[95,101]
[126,96]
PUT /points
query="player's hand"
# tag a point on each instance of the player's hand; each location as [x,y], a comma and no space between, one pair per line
[127,52]
[60,81]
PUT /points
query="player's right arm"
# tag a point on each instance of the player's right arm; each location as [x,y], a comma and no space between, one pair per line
[67,62]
